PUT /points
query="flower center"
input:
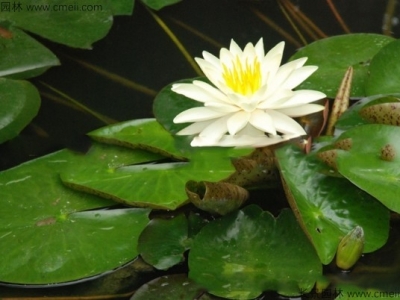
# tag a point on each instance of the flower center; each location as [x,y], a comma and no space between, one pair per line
[243,77]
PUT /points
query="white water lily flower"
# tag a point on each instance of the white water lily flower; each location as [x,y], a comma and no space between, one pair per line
[251,102]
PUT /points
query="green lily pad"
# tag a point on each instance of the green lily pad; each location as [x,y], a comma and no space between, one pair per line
[19,103]
[171,287]
[163,242]
[160,185]
[334,55]
[373,164]
[247,252]
[51,234]
[353,116]
[158,4]
[67,22]
[168,104]
[329,207]
[122,7]
[384,71]
[17,62]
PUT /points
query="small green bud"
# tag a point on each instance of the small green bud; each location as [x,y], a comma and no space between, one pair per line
[350,248]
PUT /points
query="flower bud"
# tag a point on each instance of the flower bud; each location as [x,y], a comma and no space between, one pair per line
[350,248]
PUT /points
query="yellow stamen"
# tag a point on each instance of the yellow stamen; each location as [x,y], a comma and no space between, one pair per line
[243,77]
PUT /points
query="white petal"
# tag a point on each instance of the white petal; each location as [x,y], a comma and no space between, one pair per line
[211,59]
[298,76]
[211,72]
[215,130]
[197,114]
[194,128]
[271,62]
[285,71]
[235,49]
[237,122]
[302,110]
[259,48]
[212,90]
[285,124]
[239,141]
[303,97]
[276,99]
[262,121]
[194,92]
[226,57]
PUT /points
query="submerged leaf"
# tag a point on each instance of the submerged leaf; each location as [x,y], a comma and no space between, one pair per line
[329,207]
[247,252]
[216,197]
[170,287]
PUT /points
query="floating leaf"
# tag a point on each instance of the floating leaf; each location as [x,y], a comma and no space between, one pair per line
[384,113]
[352,117]
[158,4]
[335,54]
[216,197]
[367,165]
[19,62]
[168,104]
[384,71]
[329,207]
[52,234]
[247,252]
[67,22]
[122,7]
[160,185]
[163,242]
[19,103]
[171,287]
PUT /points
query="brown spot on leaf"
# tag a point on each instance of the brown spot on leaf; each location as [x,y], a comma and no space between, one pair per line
[46,221]
[344,144]
[388,152]
[329,157]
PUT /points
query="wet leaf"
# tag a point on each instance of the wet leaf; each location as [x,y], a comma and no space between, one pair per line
[335,54]
[352,117]
[171,287]
[373,164]
[216,197]
[329,207]
[17,61]
[19,103]
[163,242]
[384,77]
[384,113]
[159,185]
[247,252]
[51,234]
[158,4]
[67,22]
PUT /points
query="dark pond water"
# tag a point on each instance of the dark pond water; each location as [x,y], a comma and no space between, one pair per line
[138,50]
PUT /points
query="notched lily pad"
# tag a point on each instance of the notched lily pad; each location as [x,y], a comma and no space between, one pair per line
[329,207]
[145,185]
[216,197]
[247,252]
